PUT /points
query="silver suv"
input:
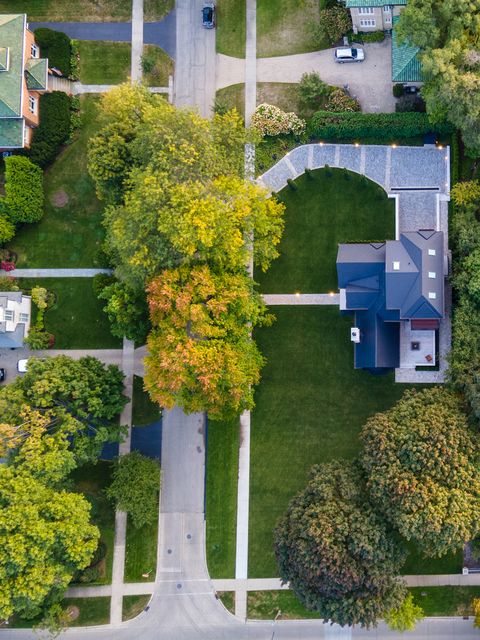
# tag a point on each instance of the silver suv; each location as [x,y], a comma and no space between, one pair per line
[349,54]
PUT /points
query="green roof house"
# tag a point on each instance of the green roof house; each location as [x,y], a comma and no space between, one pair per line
[406,66]
[23,77]
[374,15]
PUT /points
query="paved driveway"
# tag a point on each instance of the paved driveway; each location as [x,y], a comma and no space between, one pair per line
[370,80]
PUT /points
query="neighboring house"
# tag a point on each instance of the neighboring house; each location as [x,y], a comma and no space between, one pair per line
[406,66]
[374,15]
[395,290]
[15,314]
[23,77]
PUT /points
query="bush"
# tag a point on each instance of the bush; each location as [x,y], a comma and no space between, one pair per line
[269,120]
[398,90]
[7,229]
[339,102]
[346,126]
[54,129]
[38,339]
[90,574]
[292,184]
[312,90]
[23,189]
[74,61]
[55,46]
[372,36]
[40,297]
[410,103]
[333,24]
[7,283]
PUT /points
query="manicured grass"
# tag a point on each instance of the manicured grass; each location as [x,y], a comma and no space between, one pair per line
[310,407]
[84,10]
[231,27]
[321,213]
[284,27]
[281,94]
[76,319]
[417,563]
[93,611]
[163,66]
[228,600]
[232,97]
[265,605]
[144,410]
[104,62]
[446,601]
[92,480]
[133,606]
[221,509]
[69,235]
[141,552]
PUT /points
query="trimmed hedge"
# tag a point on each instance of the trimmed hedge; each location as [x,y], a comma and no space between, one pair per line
[23,189]
[54,129]
[342,126]
[55,46]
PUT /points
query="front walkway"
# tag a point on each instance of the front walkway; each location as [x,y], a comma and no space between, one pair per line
[276,299]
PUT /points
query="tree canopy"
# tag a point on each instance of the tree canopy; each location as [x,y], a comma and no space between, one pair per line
[201,354]
[336,552]
[421,463]
[45,533]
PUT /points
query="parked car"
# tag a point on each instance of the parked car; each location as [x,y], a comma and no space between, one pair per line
[410,89]
[349,54]
[22,365]
[3,375]
[208,15]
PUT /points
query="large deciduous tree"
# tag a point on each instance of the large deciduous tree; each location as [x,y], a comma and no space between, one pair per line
[45,533]
[421,463]
[336,552]
[201,355]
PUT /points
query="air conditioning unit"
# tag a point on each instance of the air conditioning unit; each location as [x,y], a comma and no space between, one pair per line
[355,334]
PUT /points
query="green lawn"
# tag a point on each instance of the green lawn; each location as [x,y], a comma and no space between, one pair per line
[228,600]
[91,611]
[231,27]
[141,552]
[323,212]
[84,10]
[284,27]
[104,62]
[162,66]
[282,94]
[70,233]
[417,563]
[221,509]
[76,319]
[144,410]
[92,480]
[265,605]
[310,407]
[446,601]
[133,606]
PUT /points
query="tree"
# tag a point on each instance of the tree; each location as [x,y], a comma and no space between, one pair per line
[333,24]
[45,531]
[404,617]
[421,465]
[466,193]
[85,390]
[127,311]
[7,229]
[312,90]
[336,552]
[135,487]
[23,190]
[476,611]
[201,355]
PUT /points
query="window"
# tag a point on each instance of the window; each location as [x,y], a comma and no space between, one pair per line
[34,51]
[23,317]
[387,19]
[432,252]
[432,295]
[432,274]
[32,104]
[9,315]
[396,266]
[387,8]
[366,11]
[367,23]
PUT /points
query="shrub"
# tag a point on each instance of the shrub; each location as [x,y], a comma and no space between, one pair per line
[372,36]
[398,90]
[54,129]
[292,184]
[90,574]
[23,189]
[38,339]
[148,61]
[269,120]
[334,23]
[40,297]
[7,229]
[100,281]
[55,46]
[74,61]
[346,126]
[338,101]
[6,265]
[7,283]
[312,90]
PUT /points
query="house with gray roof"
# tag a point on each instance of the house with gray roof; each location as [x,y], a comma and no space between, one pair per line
[395,290]
[15,316]
[23,78]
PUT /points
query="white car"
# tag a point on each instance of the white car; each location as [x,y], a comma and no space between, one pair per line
[22,365]
[349,54]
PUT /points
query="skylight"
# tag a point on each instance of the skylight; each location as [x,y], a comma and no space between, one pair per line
[432,252]
[432,295]
[432,274]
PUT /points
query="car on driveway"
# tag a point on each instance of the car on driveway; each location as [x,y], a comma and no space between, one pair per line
[208,15]
[349,54]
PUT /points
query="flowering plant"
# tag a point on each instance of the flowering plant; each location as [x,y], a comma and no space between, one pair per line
[269,120]
[7,266]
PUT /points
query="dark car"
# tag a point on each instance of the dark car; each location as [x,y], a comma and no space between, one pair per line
[3,375]
[208,15]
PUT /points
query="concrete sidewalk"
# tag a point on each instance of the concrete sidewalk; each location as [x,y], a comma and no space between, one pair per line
[275,299]
[56,273]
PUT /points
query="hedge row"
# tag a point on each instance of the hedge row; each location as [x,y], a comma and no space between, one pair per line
[343,126]
[23,190]
[55,46]
[54,129]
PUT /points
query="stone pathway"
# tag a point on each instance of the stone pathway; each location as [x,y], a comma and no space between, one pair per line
[136,71]
[274,299]
[56,273]
[79,89]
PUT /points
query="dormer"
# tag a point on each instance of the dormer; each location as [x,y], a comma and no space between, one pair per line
[4,59]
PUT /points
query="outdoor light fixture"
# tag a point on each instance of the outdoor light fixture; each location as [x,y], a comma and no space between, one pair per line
[394,146]
[321,144]
[440,146]
[356,144]
[297,293]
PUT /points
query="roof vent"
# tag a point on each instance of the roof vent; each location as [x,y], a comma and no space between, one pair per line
[396,266]
[355,335]
[432,295]
[432,252]
[432,274]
